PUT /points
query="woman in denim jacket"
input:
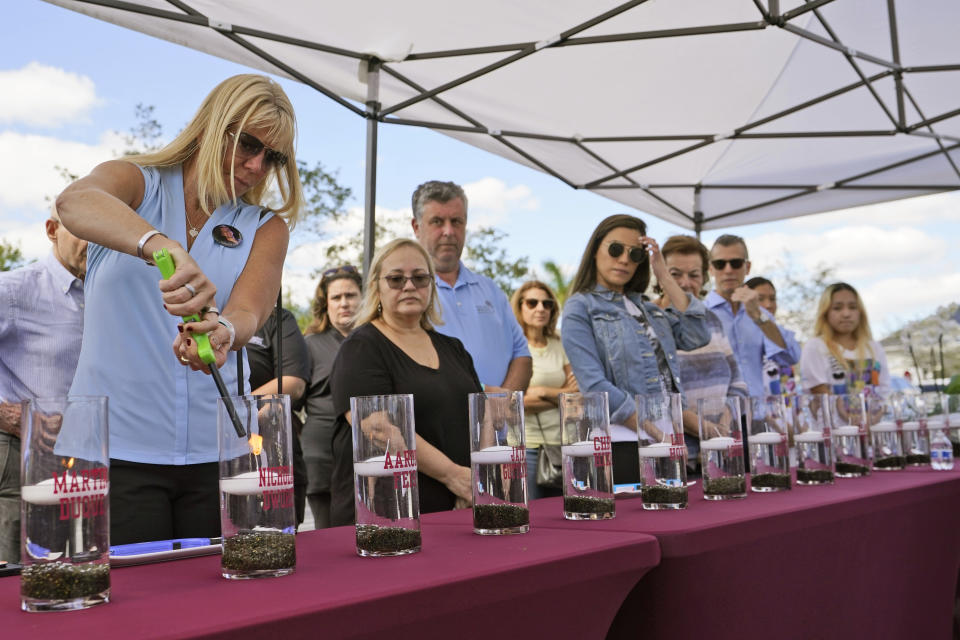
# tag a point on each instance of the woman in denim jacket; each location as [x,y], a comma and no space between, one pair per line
[620,342]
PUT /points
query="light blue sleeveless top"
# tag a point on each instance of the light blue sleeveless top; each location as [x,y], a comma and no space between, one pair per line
[160,412]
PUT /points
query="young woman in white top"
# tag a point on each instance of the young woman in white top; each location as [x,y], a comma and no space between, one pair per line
[536,309]
[843,357]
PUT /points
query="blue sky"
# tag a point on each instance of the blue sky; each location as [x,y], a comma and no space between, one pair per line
[68,83]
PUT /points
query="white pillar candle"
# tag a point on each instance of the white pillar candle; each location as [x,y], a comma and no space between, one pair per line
[244,484]
[717,444]
[809,436]
[43,493]
[884,427]
[373,467]
[766,437]
[846,430]
[656,450]
[582,449]
[501,454]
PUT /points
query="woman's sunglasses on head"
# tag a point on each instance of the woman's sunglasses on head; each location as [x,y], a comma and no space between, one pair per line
[347,268]
[249,146]
[532,303]
[616,249]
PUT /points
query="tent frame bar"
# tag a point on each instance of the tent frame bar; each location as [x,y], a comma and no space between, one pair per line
[374,112]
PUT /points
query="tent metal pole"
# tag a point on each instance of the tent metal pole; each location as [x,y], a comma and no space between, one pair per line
[898,76]
[842,183]
[810,6]
[697,211]
[933,133]
[370,179]
[848,54]
[531,49]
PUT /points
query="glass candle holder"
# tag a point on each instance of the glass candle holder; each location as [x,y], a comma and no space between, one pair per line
[951,414]
[65,505]
[848,414]
[914,433]
[257,513]
[498,463]
[884,434]
[663,454]
[769,421]
[587,456]
[813,440]
[387,495]
[721,448]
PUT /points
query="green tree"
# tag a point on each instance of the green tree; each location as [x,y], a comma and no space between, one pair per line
[324,198]
[557,281]
[146,134]
[485,254]
[10,256]
[798,293]
[301,313]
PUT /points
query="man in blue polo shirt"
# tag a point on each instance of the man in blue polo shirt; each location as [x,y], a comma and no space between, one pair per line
[475,310]
[751,329]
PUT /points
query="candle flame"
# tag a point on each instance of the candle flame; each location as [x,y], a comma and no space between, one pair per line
[256,444]
[68,463]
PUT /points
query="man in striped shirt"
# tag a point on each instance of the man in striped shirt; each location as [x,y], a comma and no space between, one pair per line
[41,327]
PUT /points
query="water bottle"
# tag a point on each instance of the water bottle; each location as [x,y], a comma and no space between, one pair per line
[941,451]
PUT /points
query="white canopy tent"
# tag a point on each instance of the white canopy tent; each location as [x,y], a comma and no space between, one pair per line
[704,113]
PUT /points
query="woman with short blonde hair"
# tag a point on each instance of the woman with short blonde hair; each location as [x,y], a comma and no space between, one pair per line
[393,349]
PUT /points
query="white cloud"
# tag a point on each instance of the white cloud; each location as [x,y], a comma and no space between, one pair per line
[300,285]
[491,199]
[939,207]
[27,164]
[893,301]
[855,252]
[43,96]
[30,237]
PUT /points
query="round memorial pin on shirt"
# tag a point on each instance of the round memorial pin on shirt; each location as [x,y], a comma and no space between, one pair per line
[227,236]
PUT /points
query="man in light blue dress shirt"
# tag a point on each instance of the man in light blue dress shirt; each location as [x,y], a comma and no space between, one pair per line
[474,309]
[752,331]
[41,327]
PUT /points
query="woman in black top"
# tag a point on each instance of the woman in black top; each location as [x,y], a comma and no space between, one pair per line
[394,350]
[262,356]
[334,311]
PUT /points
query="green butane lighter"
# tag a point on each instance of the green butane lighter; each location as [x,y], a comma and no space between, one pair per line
[164,262]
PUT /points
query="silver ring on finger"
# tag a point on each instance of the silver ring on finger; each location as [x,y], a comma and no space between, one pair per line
[189,287]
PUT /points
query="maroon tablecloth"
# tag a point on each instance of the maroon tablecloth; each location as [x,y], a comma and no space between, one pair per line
[549,582]
[874,557]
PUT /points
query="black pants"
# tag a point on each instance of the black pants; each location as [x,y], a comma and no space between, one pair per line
[163,501]
[626,463]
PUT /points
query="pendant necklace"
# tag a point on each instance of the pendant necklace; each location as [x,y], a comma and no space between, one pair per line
[193,231]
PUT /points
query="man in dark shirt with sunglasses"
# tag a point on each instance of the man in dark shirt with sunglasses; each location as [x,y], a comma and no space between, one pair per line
[751,329]
[473,308]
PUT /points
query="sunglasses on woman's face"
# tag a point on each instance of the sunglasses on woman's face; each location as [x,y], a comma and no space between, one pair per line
[533,302]
[249,146]
[419,280]
[616,249]
[720,265]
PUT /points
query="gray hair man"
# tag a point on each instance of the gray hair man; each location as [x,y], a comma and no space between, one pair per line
[751,329]
[474,309]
